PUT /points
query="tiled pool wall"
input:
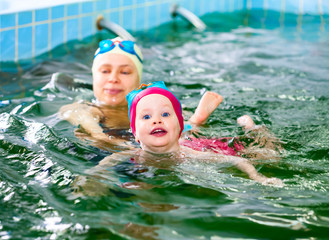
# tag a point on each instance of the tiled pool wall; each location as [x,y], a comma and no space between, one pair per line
[27,34]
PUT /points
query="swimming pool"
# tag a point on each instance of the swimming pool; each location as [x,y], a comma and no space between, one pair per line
[275,71]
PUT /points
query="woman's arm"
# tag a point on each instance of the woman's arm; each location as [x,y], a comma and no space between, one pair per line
[85,116]
[207,105]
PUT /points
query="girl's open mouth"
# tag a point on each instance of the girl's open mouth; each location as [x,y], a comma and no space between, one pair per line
[158,132]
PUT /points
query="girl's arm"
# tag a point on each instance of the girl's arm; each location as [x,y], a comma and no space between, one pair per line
[245,166]
[241,163]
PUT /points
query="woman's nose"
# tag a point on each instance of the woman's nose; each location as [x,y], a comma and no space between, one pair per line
[113,78]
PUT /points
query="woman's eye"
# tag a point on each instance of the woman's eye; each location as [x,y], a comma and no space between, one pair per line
[105,71]
[146,117]
[125,71]
[165,114]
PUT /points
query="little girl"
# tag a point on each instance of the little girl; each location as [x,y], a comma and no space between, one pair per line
[157,123]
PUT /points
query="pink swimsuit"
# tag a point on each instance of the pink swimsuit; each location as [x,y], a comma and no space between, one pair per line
[217,145]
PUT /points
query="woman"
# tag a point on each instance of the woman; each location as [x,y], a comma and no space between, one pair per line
[117,70]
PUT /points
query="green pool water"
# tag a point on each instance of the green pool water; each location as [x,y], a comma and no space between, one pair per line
[273,68]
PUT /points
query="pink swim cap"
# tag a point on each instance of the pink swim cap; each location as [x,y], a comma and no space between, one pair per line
[153,88]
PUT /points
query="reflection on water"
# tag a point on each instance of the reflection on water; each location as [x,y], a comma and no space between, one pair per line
[278,76]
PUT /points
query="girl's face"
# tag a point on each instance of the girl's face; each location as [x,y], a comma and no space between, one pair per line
[157,126]
[114,76]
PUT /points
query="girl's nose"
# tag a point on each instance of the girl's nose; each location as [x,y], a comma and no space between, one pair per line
[157,122]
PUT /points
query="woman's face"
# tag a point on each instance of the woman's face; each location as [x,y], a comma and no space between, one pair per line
[114,76]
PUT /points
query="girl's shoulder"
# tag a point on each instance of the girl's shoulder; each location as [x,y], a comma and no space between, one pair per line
[119,157]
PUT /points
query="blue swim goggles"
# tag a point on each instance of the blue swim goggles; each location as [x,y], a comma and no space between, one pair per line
[130,96]
[126,45]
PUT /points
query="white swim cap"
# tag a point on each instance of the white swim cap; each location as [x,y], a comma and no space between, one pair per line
[124,47]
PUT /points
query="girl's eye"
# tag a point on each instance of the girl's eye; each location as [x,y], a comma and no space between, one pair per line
[165,114]
[146,117]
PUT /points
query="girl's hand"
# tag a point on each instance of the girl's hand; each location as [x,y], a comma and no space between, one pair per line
[273,182]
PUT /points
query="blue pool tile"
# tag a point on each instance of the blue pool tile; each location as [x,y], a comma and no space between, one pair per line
[72,29]
[101,5]
[41,39]
[164,15]
[310,7]
[185,4]
[213,6]
[152,20]
[196,7]
[41,15]
[274,5]
[239,5]
[87,7]
[7,20]
[127,19]
[126,2]
[325,7]
[7,45]
[107,16]
[292,6]
[114,4]
[233,5]
[57,12]
[73,9]
[259,4]
[114,17]
[24,18]
[141,1]
[217,6]
[140,19]
[57,34]
[226,6]
[87,26]
[243,5]
[25,42]
[205,6]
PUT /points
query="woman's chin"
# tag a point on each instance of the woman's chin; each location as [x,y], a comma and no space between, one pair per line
[116,102]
